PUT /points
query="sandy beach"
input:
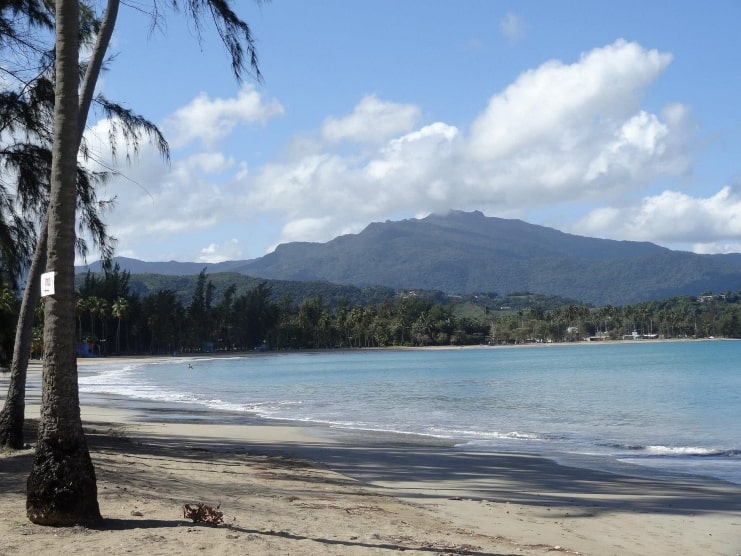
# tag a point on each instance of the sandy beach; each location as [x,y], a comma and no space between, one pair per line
[297,490]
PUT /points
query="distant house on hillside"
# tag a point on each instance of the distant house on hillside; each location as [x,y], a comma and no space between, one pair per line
[711,297]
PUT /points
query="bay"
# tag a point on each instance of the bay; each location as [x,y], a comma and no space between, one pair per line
[623,406]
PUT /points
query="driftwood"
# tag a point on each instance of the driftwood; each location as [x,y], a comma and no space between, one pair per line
[203,513]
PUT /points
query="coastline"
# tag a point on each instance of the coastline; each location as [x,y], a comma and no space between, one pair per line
[306,490]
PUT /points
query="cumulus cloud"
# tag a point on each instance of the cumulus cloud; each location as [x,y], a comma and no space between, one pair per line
[710,224]
[372,121]
[561,134]
[154,200]
[210,120]
[326,194]
[197,192]
[560,107]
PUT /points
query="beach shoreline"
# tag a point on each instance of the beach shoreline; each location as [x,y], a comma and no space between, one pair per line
[291,488]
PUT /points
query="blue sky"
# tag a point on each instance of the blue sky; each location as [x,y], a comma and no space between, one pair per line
[608,119]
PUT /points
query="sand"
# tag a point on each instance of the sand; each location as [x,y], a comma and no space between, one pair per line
[303,491]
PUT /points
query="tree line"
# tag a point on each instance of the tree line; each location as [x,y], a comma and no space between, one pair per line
[112,320]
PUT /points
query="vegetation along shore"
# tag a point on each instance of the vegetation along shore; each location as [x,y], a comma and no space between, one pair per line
[208,313]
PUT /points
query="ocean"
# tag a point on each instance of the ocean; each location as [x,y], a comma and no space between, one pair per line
[631,407]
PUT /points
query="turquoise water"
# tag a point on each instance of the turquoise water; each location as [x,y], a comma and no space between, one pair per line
[668,406]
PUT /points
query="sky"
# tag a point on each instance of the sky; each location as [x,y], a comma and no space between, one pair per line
[607,119]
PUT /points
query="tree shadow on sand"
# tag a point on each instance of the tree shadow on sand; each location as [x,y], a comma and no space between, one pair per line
[415,471]
[139,524]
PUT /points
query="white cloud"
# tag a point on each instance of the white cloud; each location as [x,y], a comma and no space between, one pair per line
[307,229]
[563,133]
[559,106]
[210,120]
[409,157]
[512,26]
[711,224]
[230,250]
[324,194]
[156,201]
[560,134]
[372,121]
[188,196]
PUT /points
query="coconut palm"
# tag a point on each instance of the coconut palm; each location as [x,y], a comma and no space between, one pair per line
[28,113]
[82,307]
[61,488]
[119,309]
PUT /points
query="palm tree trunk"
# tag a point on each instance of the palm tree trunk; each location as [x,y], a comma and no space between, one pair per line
[61,488]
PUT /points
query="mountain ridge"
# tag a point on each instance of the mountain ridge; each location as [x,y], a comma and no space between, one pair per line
[465,252]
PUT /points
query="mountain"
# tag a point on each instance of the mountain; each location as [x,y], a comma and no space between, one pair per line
[169,268]
[464,252]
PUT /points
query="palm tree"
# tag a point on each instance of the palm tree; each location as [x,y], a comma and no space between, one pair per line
[91,303]
[30,113]
[557,316]
[119,310]
[98,307]
[61,488]
[82,306]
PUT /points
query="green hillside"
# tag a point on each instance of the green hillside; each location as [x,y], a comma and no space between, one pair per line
[462,253]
